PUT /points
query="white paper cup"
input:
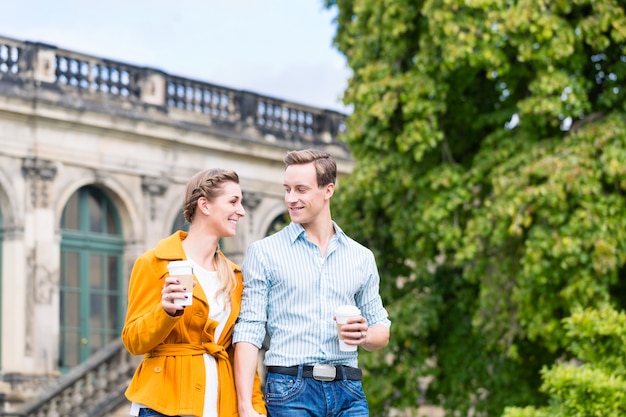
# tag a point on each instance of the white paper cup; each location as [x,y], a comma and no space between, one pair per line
[183,271]
[342,314]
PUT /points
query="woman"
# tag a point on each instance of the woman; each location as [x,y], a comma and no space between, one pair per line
[187,364]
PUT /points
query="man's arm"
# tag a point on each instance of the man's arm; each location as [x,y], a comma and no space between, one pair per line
[376,337]
[357,332]
[245,368]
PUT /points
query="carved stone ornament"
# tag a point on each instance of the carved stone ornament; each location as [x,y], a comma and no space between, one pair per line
[40,173]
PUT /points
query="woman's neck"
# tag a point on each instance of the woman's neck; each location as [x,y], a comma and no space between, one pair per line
[201,249]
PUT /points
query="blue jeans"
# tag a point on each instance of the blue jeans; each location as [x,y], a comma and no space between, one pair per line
[149,412]
[294,396]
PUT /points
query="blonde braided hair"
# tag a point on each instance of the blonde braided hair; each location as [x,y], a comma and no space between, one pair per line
[209,184]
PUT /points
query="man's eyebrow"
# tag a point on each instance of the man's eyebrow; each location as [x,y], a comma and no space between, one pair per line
[297,185]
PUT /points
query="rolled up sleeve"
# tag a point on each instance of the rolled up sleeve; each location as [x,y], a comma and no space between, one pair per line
[369,299]
[251,323]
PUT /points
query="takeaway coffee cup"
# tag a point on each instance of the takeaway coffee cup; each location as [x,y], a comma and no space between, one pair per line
[342,314]
[183,271]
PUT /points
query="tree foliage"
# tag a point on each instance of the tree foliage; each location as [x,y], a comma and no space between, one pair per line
[490,180]
[593,383]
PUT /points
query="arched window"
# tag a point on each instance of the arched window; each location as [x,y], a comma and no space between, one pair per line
[91,305]
[277,224]
[180,223]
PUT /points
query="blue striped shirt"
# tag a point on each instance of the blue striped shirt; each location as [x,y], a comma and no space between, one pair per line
[292,291]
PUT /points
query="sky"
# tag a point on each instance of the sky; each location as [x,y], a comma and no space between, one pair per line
[278,48]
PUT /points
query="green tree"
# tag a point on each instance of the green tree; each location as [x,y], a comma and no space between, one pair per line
[490,180]
[593,381]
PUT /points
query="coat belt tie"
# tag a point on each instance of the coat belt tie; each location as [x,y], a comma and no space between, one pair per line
[188,349]
[226,406]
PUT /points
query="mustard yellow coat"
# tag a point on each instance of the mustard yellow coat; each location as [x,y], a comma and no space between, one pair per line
[171,377]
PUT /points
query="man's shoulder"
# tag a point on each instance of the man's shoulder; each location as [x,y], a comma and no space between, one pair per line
[357,247]
[350,242]
[280,237]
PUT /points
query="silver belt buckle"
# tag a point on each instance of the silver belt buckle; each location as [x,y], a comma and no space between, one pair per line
[323,372]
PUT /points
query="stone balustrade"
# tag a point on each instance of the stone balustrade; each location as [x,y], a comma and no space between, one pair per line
[46,71]
[93,389]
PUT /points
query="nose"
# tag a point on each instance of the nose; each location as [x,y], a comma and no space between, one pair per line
[290,197]
[241,212]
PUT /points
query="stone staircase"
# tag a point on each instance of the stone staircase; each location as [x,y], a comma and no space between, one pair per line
[94,388]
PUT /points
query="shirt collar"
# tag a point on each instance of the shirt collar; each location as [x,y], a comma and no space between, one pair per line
[295,230]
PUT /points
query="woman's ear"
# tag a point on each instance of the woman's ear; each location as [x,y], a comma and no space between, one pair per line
[203,206]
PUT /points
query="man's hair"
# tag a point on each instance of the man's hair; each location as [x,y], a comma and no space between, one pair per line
[324,164]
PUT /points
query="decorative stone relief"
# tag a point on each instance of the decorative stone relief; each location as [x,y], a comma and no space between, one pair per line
[251,201]
[29,307]
[39,290]
[99,177]
[40,173]
[45,66]
[153,187]
[44,282]
[153,89]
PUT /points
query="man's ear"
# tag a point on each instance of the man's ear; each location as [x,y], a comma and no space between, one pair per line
[330,190]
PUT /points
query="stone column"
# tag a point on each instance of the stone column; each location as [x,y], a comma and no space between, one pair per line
[14,313]
[42,251]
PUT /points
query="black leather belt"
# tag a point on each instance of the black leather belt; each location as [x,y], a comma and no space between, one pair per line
[321,372]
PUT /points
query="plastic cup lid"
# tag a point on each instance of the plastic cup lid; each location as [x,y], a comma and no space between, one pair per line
[347,310]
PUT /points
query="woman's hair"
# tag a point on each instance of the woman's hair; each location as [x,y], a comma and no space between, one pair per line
[325,165]
[210,185]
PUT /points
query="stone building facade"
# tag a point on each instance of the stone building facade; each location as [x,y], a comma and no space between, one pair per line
[94,157]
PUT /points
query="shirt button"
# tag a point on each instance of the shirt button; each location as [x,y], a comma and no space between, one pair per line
[157,369]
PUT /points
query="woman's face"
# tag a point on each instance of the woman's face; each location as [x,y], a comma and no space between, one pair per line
[225,211]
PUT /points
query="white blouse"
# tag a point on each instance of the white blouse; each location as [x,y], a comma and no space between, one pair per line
[218,312]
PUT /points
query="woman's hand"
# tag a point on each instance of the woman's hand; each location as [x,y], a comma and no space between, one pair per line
[171,291]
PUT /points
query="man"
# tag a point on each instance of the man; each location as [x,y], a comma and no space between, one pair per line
[293,281]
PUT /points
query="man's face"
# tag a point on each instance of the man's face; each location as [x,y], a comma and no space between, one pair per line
[304,199]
